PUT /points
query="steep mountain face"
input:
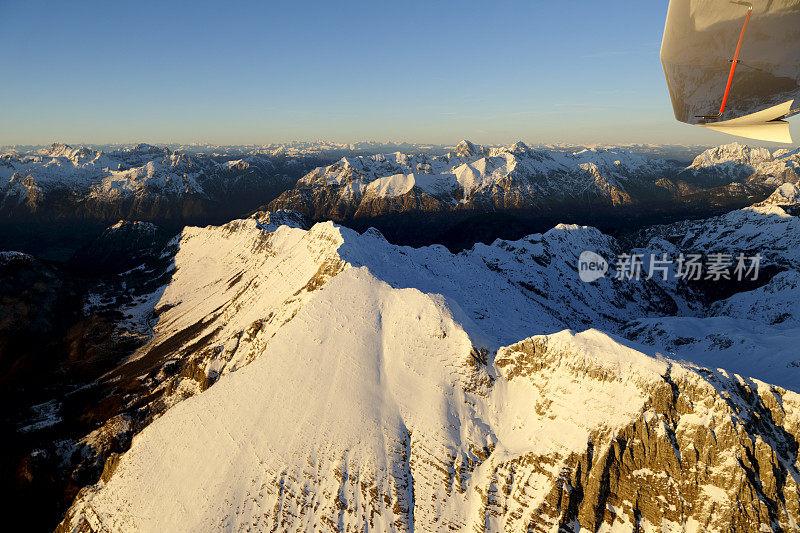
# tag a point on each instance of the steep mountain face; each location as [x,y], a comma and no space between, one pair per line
[734,173]
[54,352]
[140,183]
[787,197]
[122,246]
[560,431]
[730,162]
[474,177]
[320,379]
[736,162]
[255,276]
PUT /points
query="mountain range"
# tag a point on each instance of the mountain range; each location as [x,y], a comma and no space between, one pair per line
[143,182]
[517,178]
[63,196]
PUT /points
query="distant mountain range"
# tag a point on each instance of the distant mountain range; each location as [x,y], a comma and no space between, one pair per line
[57,199]
[66,196]
[475,178]
[140,183]
[329,149]
[150,183]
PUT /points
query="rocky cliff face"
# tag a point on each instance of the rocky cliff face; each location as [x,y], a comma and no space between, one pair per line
[558,432]
[707,451]
[316,379]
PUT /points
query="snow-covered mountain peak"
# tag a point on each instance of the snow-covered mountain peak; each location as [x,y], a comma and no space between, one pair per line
[362,385]
[787,195]
[786,153]
[467,149]
[218,272]
[518,147]
[65,151]
[145,147]
[732,153]
[139,182]
[473,177]
[745,171]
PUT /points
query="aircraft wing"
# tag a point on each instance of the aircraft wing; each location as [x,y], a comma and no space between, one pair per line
[734,66]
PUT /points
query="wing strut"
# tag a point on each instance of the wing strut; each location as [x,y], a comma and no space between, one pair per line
[734,62]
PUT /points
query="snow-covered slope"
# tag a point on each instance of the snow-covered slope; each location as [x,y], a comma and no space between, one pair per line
[388,418]
[730,158]
[362,385]
[755,332]
[736,163]
[518,177]
[234,286]
[471,176]
[762,228]
[787,195]
[139,182]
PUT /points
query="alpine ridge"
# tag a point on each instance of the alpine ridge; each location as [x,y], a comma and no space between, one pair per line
[56,200]
[313,378]
[516,177]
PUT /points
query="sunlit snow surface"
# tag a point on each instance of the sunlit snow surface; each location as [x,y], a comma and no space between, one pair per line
[388,377]
[388,388]
[471,171]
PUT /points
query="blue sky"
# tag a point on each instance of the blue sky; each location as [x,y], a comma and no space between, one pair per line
[259,72]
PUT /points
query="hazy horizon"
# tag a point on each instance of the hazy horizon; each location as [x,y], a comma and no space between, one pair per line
[393,142]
